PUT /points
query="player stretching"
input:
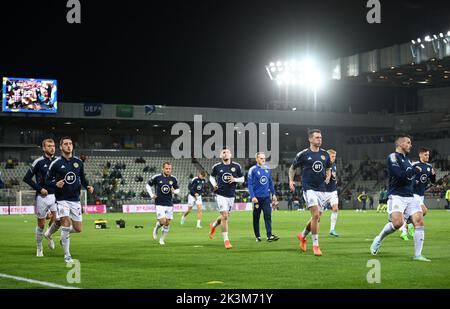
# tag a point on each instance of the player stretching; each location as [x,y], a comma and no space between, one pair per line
[67,173]
[424,175]
[227,173]
[316,172]
[196,188]
[332,196]
[401,202]
[165,186]
[45,195]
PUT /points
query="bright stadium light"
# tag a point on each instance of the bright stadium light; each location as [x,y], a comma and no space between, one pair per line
[421,45]
[441,35]
[448,33]
[299,73]
[419,40]
[412,41]
[427,38]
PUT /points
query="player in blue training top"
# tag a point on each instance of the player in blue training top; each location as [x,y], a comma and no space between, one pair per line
[332,195]
[424,175]
[401,203]
[315,164]
[165,186]
[260,186]
[67,174]
[45,195]
[196,188]
[223,177]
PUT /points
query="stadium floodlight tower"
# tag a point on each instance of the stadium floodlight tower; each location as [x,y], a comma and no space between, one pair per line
[294,73]
[439,43]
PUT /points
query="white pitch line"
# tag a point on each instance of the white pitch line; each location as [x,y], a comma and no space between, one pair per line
[50,284]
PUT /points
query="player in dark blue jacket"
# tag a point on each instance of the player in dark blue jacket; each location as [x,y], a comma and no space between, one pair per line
[196,188]
[67,174]
[401,203]
[315,164]
[165,185]
[45,195]
[224,177]
[332,195]
[260,186]
[425,175]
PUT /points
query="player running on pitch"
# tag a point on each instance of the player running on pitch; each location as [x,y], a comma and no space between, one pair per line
[424,175]
[67,173]
[165,186]
[224,177]
[316,172]
[45,195]
[401,203]
[196,189]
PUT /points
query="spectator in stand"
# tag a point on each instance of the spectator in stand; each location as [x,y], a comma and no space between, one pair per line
[362,198]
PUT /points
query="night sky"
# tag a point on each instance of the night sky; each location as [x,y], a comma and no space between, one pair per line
[194,53]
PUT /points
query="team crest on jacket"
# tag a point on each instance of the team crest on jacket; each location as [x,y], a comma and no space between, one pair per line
[322,157]
[75,165]
[233,169]
[171,182]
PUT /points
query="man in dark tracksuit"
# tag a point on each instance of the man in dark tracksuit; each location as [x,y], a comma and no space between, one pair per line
[260,185]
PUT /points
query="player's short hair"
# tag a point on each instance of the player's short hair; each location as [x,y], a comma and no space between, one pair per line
[225,148]
[47,140]
[424,149]
[203,173]
[331,151]
[166,163]
[402,135]
[63,138]
[312,131]
[258,153]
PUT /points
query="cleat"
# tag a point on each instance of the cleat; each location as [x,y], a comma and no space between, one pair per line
[421,258]
[404,236]
[182,220]
[272,238]
[317,251]
[39,253]
[161,242]
[411,229]
[68,259]
[199,227]
[212,230]
[376,244]
[333,233]
[155,234]
[228,244]
[302,242]
[51,243]
[258,239]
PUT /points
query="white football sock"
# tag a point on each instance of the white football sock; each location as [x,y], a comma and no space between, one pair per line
[165,231]
[387,229]
[39,235]
[65,239]
[315,238]
[419,237]
[225,236]
[334,216]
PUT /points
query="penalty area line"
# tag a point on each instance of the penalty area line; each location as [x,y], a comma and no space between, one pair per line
[44,283]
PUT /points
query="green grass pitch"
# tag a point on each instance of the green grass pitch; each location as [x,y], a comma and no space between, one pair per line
[130,258]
